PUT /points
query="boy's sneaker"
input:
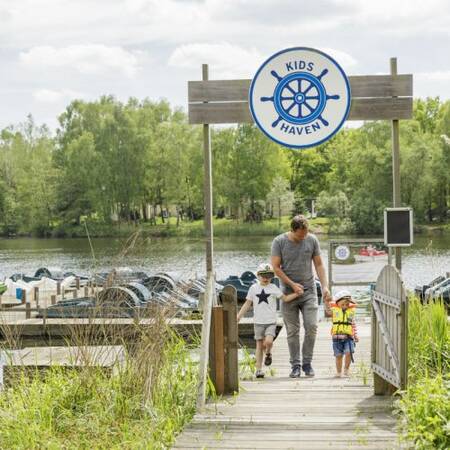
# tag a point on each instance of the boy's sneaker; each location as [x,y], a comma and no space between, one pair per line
[295,373]
[259,374]
[346,373]
[307,368]
[268,359]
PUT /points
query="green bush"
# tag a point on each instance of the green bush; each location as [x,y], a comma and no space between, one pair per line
[425,409]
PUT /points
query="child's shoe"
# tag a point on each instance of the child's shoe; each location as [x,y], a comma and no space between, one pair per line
[259,373]
[338,375]
[346,373]
[268,359]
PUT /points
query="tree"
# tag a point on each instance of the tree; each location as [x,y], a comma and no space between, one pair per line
[281,196]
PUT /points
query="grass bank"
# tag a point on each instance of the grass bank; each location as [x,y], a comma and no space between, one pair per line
[425,406]
[194,229]
[141,405]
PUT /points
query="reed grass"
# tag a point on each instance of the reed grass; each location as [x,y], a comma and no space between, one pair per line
[424,408]
[141,404]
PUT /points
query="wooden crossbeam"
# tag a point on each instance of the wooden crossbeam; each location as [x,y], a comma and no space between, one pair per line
[387,300]
[361,86]
[386,337]
[361,109]
[386,375]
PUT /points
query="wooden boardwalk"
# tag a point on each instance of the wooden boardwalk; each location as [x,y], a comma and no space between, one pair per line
[303,414]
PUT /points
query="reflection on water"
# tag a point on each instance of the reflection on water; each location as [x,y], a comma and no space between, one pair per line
[426,259]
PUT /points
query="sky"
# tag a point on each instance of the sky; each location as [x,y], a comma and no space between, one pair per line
[54,51]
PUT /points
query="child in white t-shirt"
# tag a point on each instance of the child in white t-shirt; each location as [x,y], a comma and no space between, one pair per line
[263,297]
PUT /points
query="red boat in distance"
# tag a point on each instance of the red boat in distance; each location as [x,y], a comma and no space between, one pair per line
[371,251]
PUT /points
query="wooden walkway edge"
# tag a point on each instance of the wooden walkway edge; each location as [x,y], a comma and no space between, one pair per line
[306,413]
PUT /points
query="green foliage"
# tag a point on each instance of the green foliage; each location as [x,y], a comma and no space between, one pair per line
[116,163]
[428,339]
[425,406]
[90,409]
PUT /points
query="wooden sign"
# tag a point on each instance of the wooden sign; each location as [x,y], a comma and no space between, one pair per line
[374,97]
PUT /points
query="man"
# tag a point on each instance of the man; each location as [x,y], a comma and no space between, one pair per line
[292,256]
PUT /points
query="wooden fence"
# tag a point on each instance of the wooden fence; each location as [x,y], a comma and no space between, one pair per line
[389,332]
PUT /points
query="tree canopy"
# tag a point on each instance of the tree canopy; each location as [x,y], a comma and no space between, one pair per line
[114,162]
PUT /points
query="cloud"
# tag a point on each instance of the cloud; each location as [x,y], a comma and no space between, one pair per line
[86,59]
[342,58]
[443,75]
[225,60]
[56,96]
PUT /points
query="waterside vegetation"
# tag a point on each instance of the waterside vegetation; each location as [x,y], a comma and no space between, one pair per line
[116,165]
[424,408]
[141,404]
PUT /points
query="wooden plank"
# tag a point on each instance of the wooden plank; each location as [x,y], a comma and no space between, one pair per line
[229,300]
[360,85]
[219,356]
[361,109]
[218,90]
[386,299]
[306,413]
[387,337]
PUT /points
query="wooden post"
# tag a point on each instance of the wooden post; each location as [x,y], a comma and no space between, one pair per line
[77,282]
[63,292]
[404,342]
[86,291]
[36,296]
[75,293]
[27,310]
[53,299]
[208,186]
[326,306]
[210,297]
[24,296]
[216,350]
[396,168]
[58,288]
[229,301]
[204,350]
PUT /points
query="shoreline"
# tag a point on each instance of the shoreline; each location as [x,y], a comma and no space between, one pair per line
[195,229]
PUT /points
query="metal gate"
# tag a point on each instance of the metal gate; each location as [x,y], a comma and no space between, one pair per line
[389,332]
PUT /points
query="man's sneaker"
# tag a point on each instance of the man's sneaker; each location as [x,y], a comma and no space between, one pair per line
[268,359]
[295,373]
[307,368]
[259,374]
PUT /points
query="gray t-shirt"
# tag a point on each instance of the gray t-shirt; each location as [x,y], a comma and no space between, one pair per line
[296,257]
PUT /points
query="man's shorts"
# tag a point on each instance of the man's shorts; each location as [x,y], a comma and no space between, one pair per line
[342,346]
[264,329]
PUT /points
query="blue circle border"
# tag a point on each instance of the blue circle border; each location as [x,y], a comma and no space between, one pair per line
[262,67]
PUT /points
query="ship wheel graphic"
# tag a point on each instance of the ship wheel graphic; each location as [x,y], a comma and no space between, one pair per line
[300,98]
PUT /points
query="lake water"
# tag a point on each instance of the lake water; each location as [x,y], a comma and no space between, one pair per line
[426,259]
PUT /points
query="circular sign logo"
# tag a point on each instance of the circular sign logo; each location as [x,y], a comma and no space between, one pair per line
[300,97]
[342,252]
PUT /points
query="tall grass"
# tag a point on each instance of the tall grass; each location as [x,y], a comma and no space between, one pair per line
[140,404]
[428,339]
[425,406]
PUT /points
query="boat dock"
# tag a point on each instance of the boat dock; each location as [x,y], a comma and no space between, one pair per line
[317,413]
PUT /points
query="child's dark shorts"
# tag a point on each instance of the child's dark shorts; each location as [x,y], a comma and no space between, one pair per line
[342,346]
